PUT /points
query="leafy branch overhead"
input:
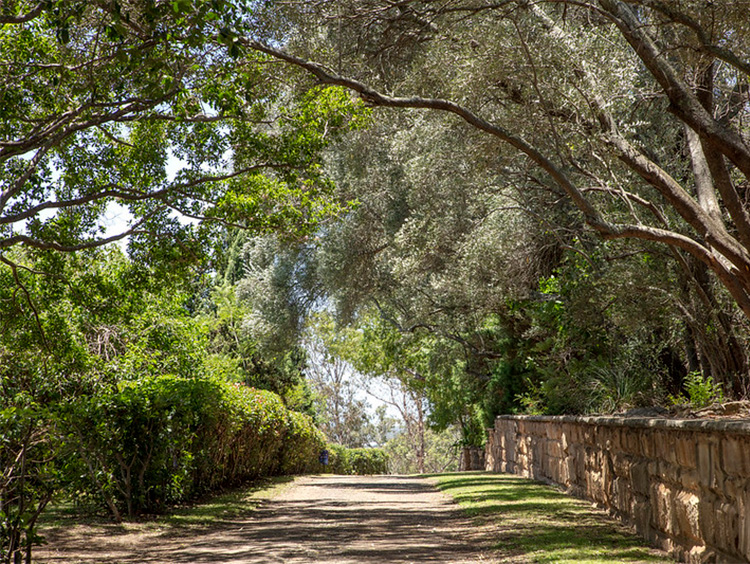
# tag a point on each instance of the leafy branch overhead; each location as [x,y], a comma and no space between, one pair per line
[146,105]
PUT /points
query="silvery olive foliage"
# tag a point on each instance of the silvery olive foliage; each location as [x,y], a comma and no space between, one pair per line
[545,203]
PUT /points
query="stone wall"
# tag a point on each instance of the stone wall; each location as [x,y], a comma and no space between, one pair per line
[683,484]
[472,459]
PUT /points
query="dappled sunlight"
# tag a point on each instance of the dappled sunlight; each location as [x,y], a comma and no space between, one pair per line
[543,523]
[337,519]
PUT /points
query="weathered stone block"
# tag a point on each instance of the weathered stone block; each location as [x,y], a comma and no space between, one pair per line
[576,434]
[707,520]
[642,519]
[621,464]
[705,464]
[736,455]
[608,476]
[687,516]
[646,443]
[664,445]
[588,435]
[727,528]
[686,452]
[555,449]
[640,478]
[669,473]
[595,487]
[571,470]
[662,508]
[699,555]
[710,469]
[622,497]
[744,524]
[689,479]
[522,447]
[632,443]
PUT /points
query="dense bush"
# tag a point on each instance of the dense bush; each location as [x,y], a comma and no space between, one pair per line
[162,440]
[360,461]
[303,443]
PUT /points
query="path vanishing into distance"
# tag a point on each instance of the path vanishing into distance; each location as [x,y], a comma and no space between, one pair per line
[333,519]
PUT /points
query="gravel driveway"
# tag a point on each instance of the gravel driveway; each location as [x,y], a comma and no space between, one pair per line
[334,519]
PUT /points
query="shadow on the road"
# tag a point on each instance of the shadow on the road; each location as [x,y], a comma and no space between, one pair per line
[405,484]
[341,532]
[380,520]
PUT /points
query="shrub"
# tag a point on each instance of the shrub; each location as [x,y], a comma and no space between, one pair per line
[28,478]
[702,391]
[163,440]
[343,460]
[303,443]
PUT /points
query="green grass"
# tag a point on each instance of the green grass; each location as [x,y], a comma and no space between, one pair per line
[230,505]
[209,511]
[533,522]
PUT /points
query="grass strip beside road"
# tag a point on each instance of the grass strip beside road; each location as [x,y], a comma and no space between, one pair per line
[536,523]
[211,510]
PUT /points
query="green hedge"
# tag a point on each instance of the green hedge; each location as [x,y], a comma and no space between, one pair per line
[163,440]
[362,461]
[302,445]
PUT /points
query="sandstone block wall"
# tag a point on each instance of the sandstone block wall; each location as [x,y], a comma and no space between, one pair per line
[683,484]
[472,458]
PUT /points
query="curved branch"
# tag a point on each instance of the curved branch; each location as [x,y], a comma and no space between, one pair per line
[681,18]
[124,195]
[729,277]
[714,231]
[733,278]
[684,104]
[53,245]
[375,98]
[35,12]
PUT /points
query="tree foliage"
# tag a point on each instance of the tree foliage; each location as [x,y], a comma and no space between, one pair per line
[622,119]
[342,409]
[157,441]
[584,103]
[554,220]
[113,391]
[147,107]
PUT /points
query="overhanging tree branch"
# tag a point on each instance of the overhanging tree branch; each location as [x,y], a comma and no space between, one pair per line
[684,104]
[35,12]
[375,98]
[736,279]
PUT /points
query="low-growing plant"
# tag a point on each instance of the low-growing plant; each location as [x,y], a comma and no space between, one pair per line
[701,390]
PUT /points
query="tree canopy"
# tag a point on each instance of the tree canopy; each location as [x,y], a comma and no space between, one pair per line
[146,107]
[635,112]
[542,125]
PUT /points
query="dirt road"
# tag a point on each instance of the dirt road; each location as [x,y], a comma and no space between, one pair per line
[332,519]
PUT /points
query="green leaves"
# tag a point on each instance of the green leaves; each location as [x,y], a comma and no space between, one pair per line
[181,5]
[184,438]
[357,461]
[123,94]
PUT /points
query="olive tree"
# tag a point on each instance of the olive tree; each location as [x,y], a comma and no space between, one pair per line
[634,111]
